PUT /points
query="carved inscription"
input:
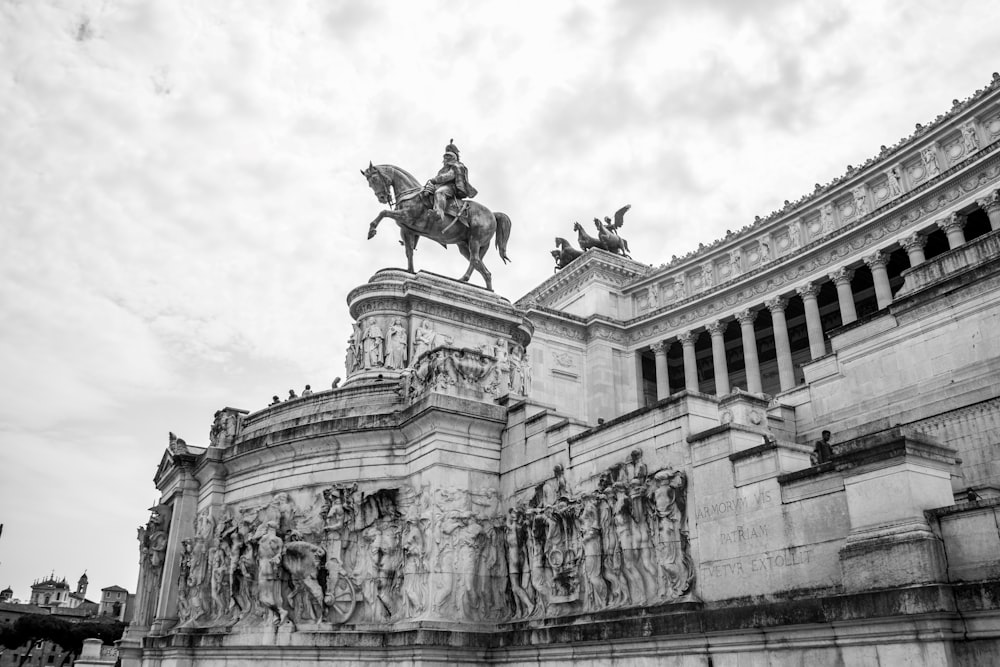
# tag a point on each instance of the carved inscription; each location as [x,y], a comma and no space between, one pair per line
[743,534]
[736,505]
[757,564]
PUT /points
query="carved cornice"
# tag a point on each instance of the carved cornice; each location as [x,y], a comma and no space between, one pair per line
[593,265]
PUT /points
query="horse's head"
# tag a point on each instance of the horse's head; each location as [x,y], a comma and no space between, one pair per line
[577,227]
[377,182]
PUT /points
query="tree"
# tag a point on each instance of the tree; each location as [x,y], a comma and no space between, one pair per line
[33,629]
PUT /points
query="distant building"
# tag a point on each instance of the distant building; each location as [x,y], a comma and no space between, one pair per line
[115,602]
[53,592]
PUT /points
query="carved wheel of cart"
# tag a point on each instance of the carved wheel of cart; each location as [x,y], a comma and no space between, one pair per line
[341,600]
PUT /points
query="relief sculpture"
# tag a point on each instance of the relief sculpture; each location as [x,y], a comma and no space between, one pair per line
[324,557]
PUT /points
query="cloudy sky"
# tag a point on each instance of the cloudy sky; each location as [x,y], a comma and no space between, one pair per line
[182,213]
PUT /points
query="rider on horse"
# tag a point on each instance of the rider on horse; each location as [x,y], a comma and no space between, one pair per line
[451,182]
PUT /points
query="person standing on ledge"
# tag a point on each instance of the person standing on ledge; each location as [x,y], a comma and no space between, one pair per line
[823,451]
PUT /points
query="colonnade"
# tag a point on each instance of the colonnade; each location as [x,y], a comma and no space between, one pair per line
[953,227]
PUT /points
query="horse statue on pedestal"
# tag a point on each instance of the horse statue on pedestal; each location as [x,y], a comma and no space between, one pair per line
[468,224]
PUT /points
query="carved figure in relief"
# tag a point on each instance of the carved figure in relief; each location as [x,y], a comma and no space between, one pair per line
[423,339]
[930,160]
[794,235]
[895,182]
[736,262]
[184,583]
[355,352]
[632,563]
[826,216]
[219,578]
[618,593]
[707,276]
[970,140]
[243,576]
[860,200]
[414,570]
[269,572]
[654,296]
[676,571]
[372,343]
[152,552]
[517,574]
[223,429]
[518,371]
[302,560]
[595,587]
[395,346]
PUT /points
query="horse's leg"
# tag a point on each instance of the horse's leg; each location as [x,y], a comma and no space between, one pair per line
[466,250]
[408,243]
[481,266]
[373,225]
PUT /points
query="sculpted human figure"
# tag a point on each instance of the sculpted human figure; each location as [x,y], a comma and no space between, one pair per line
[595,587]
[395,345]
[423,339]
[372,344]
[414,570]
[269,592]
[969,138]
[674,569]
[302,561]
[219,580]
[895,182]
[930,159]
[618,592]
[632,565]
[451,181]
[518,384]
[152,553]
[517,574]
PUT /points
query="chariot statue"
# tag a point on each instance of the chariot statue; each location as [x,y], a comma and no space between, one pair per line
[607,239]
[441,210]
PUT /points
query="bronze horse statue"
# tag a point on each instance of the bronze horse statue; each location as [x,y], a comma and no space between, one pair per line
[564,253]
[471,229]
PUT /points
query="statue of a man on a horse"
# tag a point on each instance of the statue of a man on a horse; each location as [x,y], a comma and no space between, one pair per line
[441,210]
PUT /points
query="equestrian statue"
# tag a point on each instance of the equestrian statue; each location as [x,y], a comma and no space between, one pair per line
[441,210]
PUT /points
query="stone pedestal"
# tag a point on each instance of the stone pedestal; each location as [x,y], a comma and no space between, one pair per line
[892,479]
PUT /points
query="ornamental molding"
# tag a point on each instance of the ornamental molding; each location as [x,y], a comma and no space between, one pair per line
[594,266]
[954,188]
[897,173]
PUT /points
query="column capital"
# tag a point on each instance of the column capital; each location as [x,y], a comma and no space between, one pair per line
[659,347]
[777,303]
[878,258]
[688,338]
[717,328]
[809,290]
[990,202]
[953,221]
[842,276]
[915,241]
[746,316]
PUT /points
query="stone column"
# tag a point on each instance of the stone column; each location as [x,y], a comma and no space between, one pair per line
[746,318]
[991,205]
[662,381]
[719,363]
[814,325]
[842,279]
[782,348]
[688,339]
[953,226]
[914,247]
[184,507]
[877,263]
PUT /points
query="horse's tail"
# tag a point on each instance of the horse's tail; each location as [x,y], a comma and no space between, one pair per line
[503,234]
